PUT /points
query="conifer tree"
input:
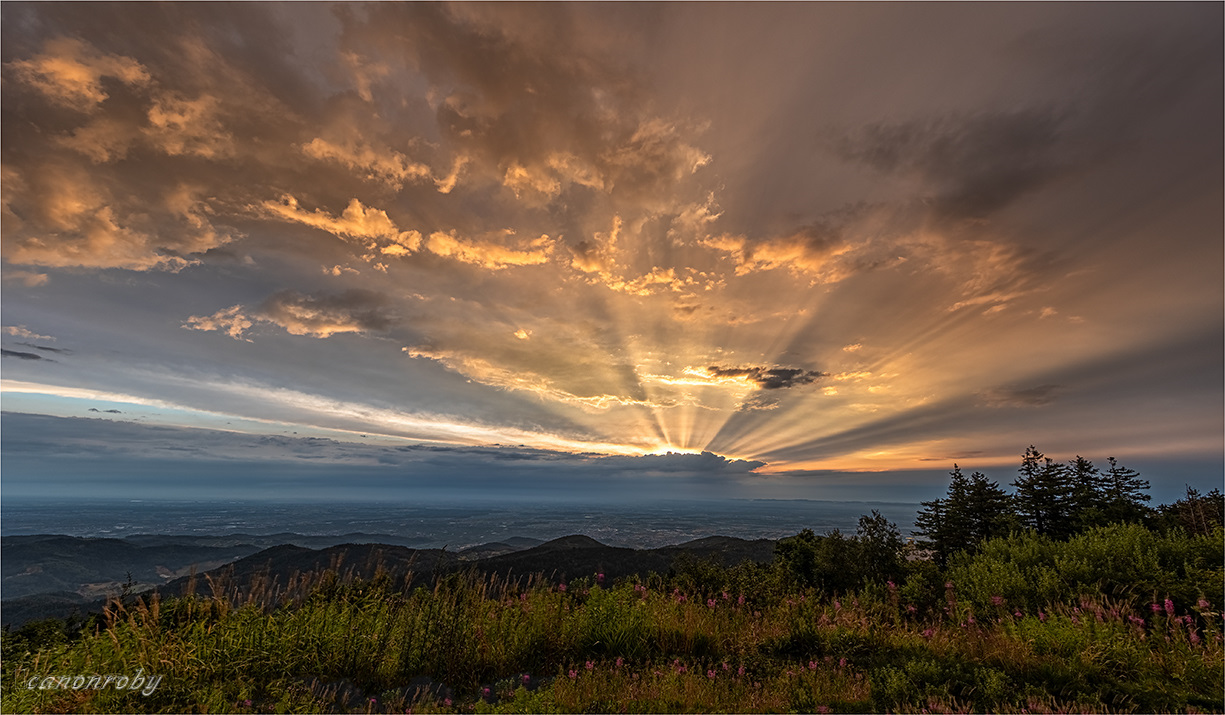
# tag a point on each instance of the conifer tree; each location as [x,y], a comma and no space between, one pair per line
[1087,499]
[1043,494]
[990,509]
[1123,494]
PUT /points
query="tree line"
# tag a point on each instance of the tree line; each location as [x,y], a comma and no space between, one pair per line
[1053,499]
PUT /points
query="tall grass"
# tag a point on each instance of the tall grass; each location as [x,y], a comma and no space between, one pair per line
[477,644]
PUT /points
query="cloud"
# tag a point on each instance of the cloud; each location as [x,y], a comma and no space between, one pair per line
[768,378]
[369,226]
[376,164]
[975,164]
[809,250]
[70,217]
[21,331]
[490,252]
[46,349]
[70,72]
[1037,396]
[21,355]
[230,321]
[178,125]
[28,278]
[353,311]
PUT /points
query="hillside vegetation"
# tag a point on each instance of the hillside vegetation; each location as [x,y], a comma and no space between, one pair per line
[1123,616]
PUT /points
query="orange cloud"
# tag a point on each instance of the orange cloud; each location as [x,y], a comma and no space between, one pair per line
[490,253]
[355,222]
[70,72]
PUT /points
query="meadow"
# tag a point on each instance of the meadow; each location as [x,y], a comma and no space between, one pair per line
[1118,618]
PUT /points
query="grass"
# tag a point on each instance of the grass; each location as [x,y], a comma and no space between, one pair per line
[708,640]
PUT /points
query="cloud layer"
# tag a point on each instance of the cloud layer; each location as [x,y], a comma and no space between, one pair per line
[650,228]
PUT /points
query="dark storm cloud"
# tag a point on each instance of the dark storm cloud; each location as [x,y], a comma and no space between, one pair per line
[768,378]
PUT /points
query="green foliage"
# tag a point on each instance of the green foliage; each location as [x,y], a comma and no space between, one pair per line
[1123,561]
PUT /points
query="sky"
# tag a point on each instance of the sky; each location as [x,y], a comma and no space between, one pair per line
[632,250]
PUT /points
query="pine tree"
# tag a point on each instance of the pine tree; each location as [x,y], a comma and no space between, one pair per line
[990,509]
[1087,500]
[1043,494]
[944,521]
[1123,494]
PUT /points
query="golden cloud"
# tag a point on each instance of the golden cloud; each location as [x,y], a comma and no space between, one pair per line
[356,222]
[489,253]
[70,72]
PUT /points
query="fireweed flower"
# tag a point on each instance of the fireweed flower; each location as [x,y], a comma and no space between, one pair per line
[599,577]
[573,674]
[710,603]
[526,678]
[710,674]
[447,702]
[842,662]
[1169,607]
[1202,603]
[590,665]
[620,662]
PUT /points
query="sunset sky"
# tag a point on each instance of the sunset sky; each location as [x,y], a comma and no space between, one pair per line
[837,246]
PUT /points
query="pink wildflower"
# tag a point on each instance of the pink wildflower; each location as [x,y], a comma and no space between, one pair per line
[842,662]
[526,678]
[680,669]
[928,633]
[590,665]
[1169,607]
[740,670]
[948,584]
[726,666]
[892,586]
[837,606]
[710,674]
[1194,638]
[710,603]
[812,665]
[484,693]
[447,702]
[725,596]
[740,600]
[562,588]
[573,674]
[1156,608]
[1017,614]
[620,662]
[599,577]
[1202,603]
[1075,621]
